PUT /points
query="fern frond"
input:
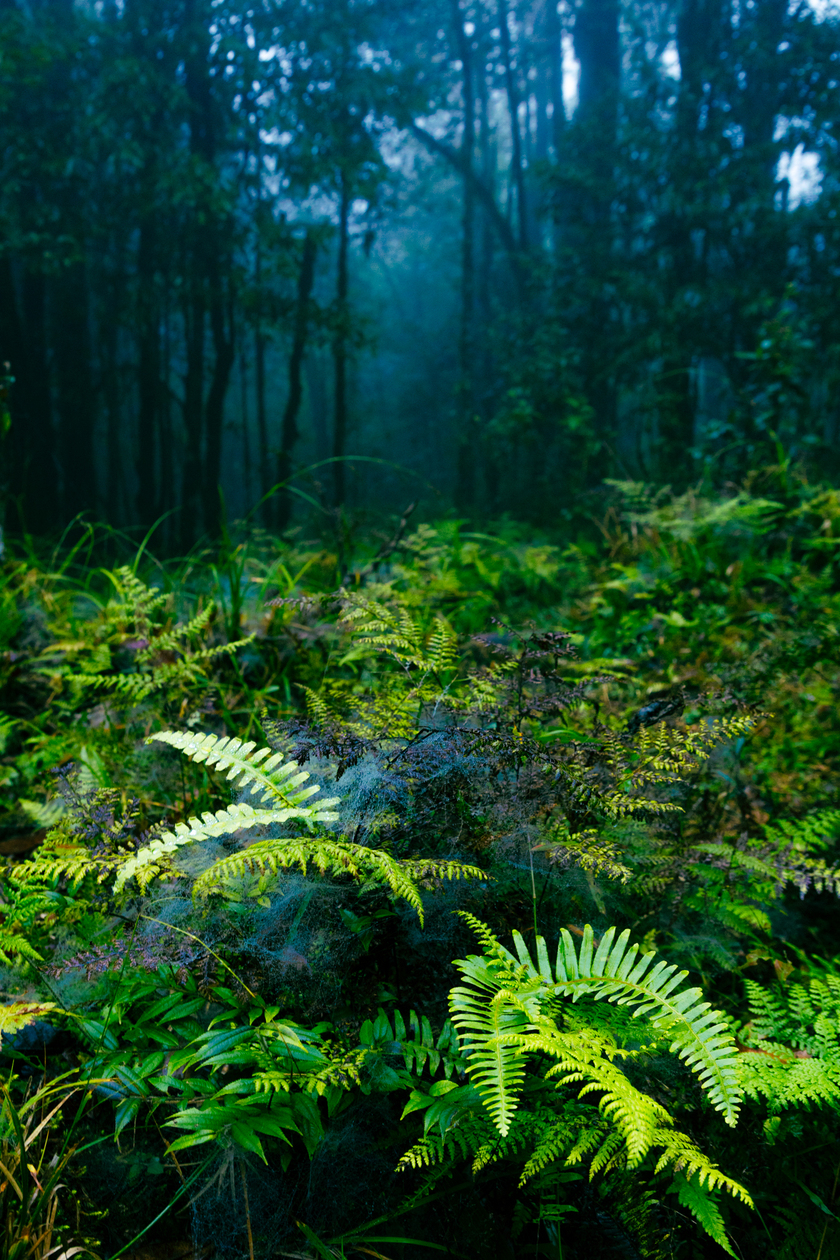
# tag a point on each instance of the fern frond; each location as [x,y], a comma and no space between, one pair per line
[437,869]
[317,708]
[495,1066]
[791,1055]
[17,1015]
[442,649]
[416,1042]
[139,601]
[460,1141]
[390,630]
[264,770]
[507,1014]
[682,1155]
[701,1203]
[271,780]
[470,1135]
[336,857]
[173,640]
[699,1034]
[14,947]
[58,858]
[220,823]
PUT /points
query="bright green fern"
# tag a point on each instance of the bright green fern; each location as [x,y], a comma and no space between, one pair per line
[791,1045]
[512,1001]
[511,1014]
[277,787]
[167,660]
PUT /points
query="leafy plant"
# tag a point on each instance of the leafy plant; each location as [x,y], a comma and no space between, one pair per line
[166,659]
[33,1160]
[510,1011]
[271,779]
[238,961]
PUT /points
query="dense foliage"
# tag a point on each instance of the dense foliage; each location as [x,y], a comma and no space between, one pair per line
[511,246]
[474,892]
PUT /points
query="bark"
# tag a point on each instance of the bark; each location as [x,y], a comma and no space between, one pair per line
[30,444]
[262,421]
[109,338]
[598,49]
[289,433]
[194,318]
[468,217]
[467,436]
[166,486]
[224,353]
[554,36]
[246,426]
[514,102]
[199,255]
[486,239]
[148,372]
[340,348]
[71,345]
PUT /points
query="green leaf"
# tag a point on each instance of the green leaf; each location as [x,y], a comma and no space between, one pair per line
[702,1204]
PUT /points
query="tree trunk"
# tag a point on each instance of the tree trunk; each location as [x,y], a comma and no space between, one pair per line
[148,372]
[340,347]
[467,434]
[248,470]
[514,102]
[262,422]
[31,443]
[554,37]
[289,433]
[74,378]
[221,328]
[166,486]
[109,338]
[194,319]
[598,49]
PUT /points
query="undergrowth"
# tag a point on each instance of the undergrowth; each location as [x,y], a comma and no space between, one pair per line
[257,809]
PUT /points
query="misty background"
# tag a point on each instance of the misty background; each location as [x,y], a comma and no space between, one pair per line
[496,252]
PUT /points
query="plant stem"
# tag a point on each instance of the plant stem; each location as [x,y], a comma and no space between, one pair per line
[247,1212]
[533,888]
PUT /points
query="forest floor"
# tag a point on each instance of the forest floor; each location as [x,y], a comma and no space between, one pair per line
[459,891]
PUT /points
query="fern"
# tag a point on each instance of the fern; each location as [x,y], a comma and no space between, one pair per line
[521,991]
[656,757]
[139,601]
[18,1015]
[791,1045]
[270,780]
[394,631]
[279,783]
[414,1042]
[703,1206]
[468,1133]
[509,1014]
[264,771]
[152,673]
[25,903]
[336,857]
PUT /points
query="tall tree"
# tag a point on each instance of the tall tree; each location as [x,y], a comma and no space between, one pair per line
[302,319]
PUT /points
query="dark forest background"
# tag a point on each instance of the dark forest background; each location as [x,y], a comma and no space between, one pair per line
[506,249]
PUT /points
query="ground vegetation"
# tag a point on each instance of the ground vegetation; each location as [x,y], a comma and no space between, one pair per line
[473,892]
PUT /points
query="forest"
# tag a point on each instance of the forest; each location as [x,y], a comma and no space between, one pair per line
[419,629]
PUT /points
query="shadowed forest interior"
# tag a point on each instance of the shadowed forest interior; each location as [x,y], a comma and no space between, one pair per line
[419,629]
[513,249]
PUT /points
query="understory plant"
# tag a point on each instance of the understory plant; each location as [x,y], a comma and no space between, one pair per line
[249,912]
